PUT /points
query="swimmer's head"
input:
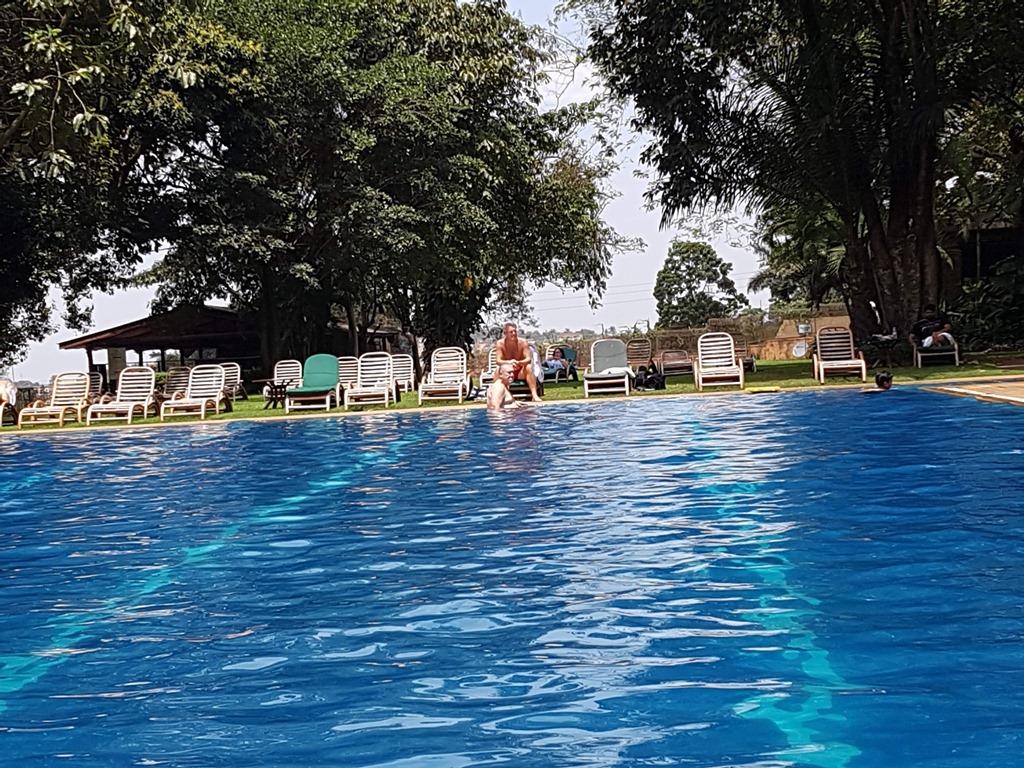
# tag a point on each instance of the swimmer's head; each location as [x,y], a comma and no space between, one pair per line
[883,380]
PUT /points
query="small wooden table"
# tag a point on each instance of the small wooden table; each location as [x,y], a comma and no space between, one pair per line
[275,392]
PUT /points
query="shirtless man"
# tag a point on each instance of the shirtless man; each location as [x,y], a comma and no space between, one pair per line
[516,352]
[498,394]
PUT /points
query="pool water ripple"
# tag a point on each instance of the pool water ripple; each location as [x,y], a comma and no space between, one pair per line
[704,582]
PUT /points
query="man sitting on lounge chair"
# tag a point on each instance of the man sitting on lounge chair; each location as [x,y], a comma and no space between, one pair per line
[933,329]
[516,352]
[498,394]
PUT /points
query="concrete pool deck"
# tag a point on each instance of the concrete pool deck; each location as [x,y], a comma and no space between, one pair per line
[991,391]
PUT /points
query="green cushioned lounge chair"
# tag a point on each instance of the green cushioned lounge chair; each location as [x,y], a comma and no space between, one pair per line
[319,385]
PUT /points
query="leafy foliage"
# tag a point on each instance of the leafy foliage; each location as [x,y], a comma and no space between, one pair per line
[990,312]
[393,163]
[83,91]
[313,161]
[818,105]
[694,286]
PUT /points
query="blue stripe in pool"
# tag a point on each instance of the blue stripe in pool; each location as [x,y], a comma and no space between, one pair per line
[806,579]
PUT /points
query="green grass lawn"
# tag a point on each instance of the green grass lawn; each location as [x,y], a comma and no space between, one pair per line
[785,374]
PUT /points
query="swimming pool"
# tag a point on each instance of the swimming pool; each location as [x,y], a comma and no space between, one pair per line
[808,579]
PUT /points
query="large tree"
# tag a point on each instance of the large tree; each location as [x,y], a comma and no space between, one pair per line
[813,103]
[393,161]
[694,286]
[80,84]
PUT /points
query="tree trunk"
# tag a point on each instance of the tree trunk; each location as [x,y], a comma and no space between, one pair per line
[861,286]
[270,331]
[353,329]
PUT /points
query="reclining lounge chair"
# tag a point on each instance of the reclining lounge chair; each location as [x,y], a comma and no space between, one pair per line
[136,392]
[69,397]
[448,378]
[319,385]
[717,362]
[204,393]
[609,372]
[834,353]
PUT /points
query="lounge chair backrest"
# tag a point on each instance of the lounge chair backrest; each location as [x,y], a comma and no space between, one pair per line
[136,384]
[402,367]
[232,377]
[638,352]
[375,369]
[69,388]
[835,343]
[320,372]
[348,370]
[675,356]
[492,359]
[447,364]
[95,384]
[176,380]
[205,382]
[288,372]
[607,353]
[716,350]
[740,344]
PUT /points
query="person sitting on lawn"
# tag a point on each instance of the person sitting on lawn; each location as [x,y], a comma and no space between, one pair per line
[933,329]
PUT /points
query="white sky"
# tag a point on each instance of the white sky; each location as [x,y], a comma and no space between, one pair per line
[627,301]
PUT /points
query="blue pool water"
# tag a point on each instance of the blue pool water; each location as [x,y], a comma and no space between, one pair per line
[814,579]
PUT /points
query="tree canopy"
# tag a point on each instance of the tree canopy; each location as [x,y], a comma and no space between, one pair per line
[844,107]
[316,161]
[78,84]
[694,286]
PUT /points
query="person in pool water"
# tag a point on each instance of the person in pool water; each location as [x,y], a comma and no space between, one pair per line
[883,383]
[498,394]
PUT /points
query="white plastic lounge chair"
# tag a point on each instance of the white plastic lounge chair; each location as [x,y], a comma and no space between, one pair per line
[348,373]
[936,350]
[176,381]
[487,375]
[287,373]
[95,386]
[404,371]
[638,352]
[375,383]
[204,392]
[136,392]
[69,397]
[834,353]
[319,385]
[675,362]
[743,352]
[233,388]
[717,363]
[609,372]
[448,378]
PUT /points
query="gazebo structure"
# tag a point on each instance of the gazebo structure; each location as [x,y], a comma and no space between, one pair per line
[200,332]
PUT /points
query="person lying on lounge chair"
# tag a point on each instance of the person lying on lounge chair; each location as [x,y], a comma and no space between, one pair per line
[498,394]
